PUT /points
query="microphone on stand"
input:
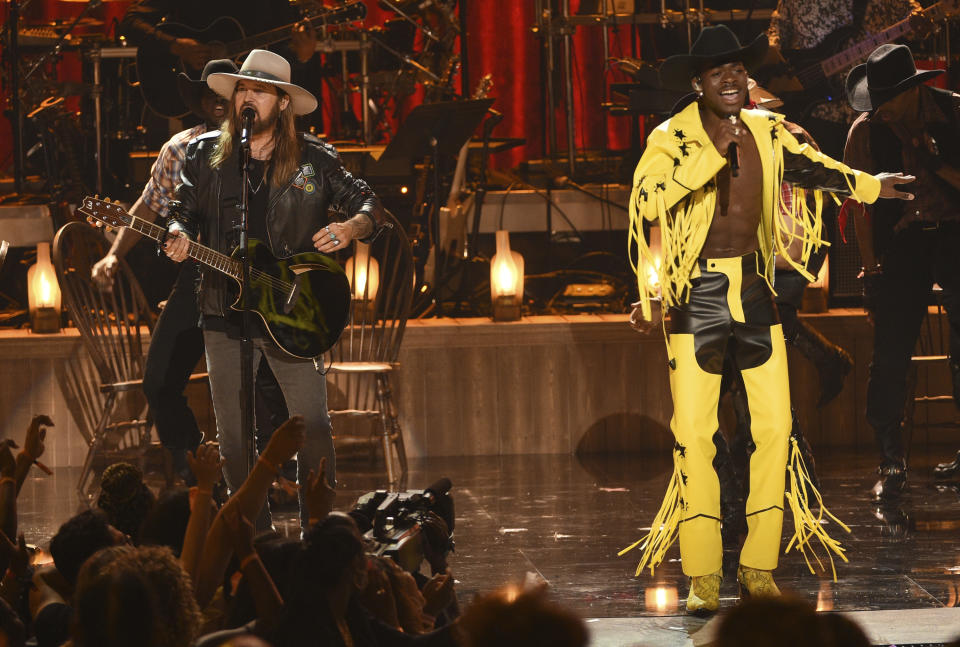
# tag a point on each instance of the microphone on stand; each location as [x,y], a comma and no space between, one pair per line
[733,154]
[247,115]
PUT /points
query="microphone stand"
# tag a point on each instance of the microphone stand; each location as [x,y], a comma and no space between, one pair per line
[246,342]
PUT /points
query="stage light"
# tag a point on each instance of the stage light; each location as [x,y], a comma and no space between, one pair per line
[43,293]
[506,280]
[363,272]
[404,190]
[661,599]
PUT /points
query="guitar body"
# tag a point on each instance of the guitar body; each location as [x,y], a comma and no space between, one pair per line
[320,310]
[157,68]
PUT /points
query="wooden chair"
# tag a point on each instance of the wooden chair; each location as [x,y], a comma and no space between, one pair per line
[107,400]
[927,364]
[364,359]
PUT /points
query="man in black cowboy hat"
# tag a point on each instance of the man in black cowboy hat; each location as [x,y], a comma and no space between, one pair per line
[711,177]
[905,247]
[294,181]
[176,344]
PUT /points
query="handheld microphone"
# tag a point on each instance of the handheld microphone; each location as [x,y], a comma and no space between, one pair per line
[733,154]
[247,115]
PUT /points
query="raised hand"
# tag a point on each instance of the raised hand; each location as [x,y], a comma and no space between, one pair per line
[319,495]
[206,465]
[285,441]
[438,593]
[16,555]
[33,443]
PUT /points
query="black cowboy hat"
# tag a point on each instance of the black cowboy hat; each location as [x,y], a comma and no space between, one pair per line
[889,71]
[714,46]
[191,91]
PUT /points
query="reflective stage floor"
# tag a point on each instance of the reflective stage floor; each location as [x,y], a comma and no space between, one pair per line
[564,518]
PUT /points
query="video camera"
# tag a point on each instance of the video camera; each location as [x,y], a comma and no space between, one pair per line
[407,526]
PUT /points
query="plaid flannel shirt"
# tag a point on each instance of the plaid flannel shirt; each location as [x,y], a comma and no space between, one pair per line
[161,188]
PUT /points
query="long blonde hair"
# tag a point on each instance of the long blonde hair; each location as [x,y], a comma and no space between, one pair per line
[286,149]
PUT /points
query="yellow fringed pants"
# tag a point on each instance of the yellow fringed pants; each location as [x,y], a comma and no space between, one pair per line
[730,310]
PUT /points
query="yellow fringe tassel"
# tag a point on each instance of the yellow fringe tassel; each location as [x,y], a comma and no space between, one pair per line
[665,528]
[807,525]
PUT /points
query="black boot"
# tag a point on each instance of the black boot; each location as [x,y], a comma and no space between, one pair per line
[893,480]
[948,471]
[832,362]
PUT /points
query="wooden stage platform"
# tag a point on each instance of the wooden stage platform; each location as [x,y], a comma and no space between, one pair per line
[468,387]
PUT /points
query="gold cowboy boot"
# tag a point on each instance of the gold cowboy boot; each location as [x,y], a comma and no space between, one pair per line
[704,596]
[756,583]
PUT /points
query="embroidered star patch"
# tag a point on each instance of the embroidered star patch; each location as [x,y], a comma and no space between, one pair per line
[679,134]
[683,149]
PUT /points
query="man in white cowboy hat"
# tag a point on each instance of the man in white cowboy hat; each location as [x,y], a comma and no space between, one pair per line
[905,247]
[721,230]
[294,180]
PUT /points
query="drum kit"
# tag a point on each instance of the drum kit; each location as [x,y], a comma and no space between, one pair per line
[108,115]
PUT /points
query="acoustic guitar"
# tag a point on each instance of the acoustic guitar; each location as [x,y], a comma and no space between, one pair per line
[158,68]
[303,300]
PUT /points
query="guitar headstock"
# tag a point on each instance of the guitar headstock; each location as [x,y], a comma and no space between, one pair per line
[103,213]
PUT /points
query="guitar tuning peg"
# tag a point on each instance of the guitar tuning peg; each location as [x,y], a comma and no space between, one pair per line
[96,196]
[107,200]
[99,225]
[90,219]
[109,228]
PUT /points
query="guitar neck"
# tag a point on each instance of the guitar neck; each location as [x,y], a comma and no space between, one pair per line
[200,253]
[239,47]
[842,60]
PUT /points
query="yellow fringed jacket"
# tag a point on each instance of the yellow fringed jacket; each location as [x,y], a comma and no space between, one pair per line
[673,186]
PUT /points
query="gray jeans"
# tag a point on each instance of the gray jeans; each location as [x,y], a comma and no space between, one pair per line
[304,389]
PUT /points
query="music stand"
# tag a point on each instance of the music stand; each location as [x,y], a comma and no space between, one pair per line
[451,123]
[435,130]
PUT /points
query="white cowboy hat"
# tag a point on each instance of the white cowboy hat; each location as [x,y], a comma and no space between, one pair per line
[266,67]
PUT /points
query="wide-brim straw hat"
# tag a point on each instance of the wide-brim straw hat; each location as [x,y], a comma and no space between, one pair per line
[266,67]
[889,71]
[715,45]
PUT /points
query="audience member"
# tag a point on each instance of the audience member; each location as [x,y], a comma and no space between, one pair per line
[166,523]
[12,632]
[125,498]
[136,596]
[79,538]
[786,622]
[520,618]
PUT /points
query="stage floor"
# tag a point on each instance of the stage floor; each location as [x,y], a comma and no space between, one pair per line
[563,519]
